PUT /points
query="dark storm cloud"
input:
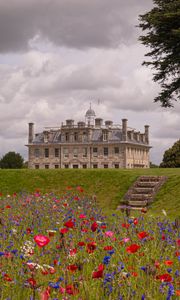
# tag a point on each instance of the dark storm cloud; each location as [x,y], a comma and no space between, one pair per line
[71,23]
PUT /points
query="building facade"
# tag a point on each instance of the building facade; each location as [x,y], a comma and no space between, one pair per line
[89,144]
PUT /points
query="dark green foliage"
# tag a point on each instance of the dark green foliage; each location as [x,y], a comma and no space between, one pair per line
[171,158]
[11,160]
[152,165]
[162,35]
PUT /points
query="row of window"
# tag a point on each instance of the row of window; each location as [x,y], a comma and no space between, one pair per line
[75,152]
[76,166]
[75,136]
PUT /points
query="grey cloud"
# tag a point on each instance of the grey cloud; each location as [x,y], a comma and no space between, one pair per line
[71,23]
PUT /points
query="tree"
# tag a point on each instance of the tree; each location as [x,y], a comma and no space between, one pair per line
[162,35]
[11,160]
[171,157]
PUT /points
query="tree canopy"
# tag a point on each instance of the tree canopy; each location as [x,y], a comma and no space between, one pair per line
[171,157]
[162,34]
[11,160]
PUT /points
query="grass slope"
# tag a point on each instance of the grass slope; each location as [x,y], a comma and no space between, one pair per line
[108,185]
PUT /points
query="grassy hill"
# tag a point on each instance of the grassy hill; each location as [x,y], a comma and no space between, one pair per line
[108,185]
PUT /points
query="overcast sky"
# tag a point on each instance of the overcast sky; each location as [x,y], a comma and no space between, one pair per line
[57,56]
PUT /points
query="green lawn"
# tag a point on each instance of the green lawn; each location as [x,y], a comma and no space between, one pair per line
[108,185]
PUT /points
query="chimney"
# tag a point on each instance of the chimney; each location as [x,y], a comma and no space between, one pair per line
[70,123]
[124,129]
[146,127]
[132,135]
[108,123]
[31,133]
[98,122]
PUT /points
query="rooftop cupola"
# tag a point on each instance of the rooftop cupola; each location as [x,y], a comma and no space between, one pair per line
[90,116]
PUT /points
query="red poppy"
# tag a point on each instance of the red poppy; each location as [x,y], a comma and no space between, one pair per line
[41,240]
[69,224]
[144,210]
[178,243]
[72,268]
[8,206]
[28,230]
[71,290]
[80,189]
[108,248]
[163,237]
[103,226]
[141,235]
[132,248]
[164,277]
[91,247]
[157,264]
[81,244]
[31,281]
[168,262]
[72,252]
[82,216]
[63,230]
[94,226]
[7,278]
[135,221]
[178,293]
[134,274]
[125,225]
[99,273]
[46,294]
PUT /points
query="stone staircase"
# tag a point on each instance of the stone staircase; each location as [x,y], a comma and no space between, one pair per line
[142,192]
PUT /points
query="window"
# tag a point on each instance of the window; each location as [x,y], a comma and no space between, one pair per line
[46,152]
[56,152]
[84,166]
[37,152]
[75,136]
[95,151]
[106,166]
[116,150]
[66,166]
[95,166]
[84,152]
[36,166]
[84,137]
[67,136]
[75,152]
[56,166]
[46,166]
[66,152]
[116,166]
[105,135]
[106,151]
[75,166]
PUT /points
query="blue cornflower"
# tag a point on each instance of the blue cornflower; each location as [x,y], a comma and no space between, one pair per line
[2,253]
[170,292]
[143,297]
[110,252]
[106,260]
[54,285]
[169,270]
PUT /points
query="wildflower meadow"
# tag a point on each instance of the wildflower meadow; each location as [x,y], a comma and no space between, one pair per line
[65,247]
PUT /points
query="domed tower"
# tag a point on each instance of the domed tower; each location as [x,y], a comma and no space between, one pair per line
[90,116]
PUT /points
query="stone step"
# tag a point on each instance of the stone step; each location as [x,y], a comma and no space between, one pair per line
[149,180]
[143,190]
[145,184]
[137,203]
[140,196]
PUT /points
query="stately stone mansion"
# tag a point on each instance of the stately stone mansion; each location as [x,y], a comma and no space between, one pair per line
[88,144]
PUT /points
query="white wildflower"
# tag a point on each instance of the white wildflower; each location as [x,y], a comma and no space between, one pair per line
[164,212]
